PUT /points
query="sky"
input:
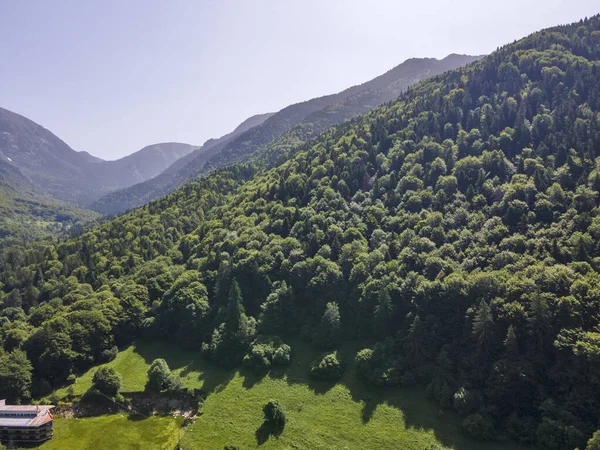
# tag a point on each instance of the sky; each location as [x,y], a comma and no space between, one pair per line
[112,76]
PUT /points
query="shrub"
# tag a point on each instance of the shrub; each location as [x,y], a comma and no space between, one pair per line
[275,416]
[109,354]
[594,442]
[363,363]
[522,429]
[158,374]
[283,355]
[107,381]
[327,367]
[266,351]
[382,367]
[174,383]
[439,390]
[556,434]
[466,402]
[477,427]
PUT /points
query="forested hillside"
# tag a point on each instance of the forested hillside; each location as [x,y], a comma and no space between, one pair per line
[58,171]
[453,232]
[26,215]
[288,128]
[172,177]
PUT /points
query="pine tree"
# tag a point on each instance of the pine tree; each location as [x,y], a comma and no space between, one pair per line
[483,324]
[539,320]
[235,307]
[511,343]
[415,338]
[383,312]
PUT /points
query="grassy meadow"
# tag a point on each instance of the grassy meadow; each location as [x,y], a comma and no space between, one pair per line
[114,432]
[321,415]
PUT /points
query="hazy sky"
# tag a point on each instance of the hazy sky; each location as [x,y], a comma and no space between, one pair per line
[111,76]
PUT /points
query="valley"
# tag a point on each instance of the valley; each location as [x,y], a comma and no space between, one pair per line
[388,418]
[413,262]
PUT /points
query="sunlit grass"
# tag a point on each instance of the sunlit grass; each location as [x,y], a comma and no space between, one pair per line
[113,432]
[321,415]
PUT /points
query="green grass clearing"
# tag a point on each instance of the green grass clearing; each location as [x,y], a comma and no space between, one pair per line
[132,363]
[321,415]
[114,432]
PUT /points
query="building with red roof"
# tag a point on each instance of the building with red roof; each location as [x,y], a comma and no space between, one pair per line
[25,423]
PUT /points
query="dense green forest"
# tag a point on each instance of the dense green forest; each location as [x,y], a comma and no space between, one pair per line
[284,130]
[454,232]
[26,215]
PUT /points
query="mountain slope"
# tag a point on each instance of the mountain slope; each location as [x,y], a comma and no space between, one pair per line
[78,178]
[454,233]
[145,163]
[171,177]
[52,165]
[26,214]
[289,127]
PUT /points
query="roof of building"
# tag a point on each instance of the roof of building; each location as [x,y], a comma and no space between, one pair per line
[24,415]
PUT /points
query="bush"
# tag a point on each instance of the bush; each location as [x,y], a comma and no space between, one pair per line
[158,375]
[275,416]
[408,379]
[266,351]
[328,367]
[107,381]
[363,363]
[174,383]
[477,427]
[382,367]
[439,390]
[594,442]
[109,354]
[283,355]
[522,429]
[556,434]
[466,402]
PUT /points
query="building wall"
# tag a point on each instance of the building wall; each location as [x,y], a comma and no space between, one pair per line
[26,434]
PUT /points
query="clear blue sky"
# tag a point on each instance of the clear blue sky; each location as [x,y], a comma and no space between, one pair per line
[110,77]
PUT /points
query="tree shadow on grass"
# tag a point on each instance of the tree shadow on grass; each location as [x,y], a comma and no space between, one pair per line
[320,387]
[136,417]
[252,376]
[418,413]
[214,378]
[369,407]
[265,431]
[262,433]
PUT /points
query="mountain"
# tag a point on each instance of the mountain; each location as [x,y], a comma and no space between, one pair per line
[53,167]
[56,170]
[146,163]
[288,128]
[241,128]
[452,233]
[90,158]
[171,177]
[26,214]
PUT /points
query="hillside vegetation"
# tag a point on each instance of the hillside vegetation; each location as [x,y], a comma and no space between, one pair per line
[26,215]
[56,170]
[453,232]
[322,414]
[283,130]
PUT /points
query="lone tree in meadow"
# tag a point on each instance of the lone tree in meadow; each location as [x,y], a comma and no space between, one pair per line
[158,375]
[274,417]
[107,381]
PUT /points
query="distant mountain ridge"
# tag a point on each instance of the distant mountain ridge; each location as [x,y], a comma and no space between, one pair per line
[55,169]
[27,214]
[168,180]
[285,129]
